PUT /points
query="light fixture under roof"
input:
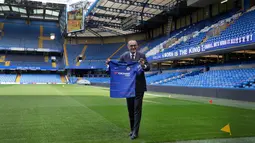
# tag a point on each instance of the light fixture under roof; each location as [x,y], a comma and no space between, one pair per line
[52,36]
[224,1]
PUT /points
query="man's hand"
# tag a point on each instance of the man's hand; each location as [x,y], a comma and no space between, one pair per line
[107,61]
[142,61]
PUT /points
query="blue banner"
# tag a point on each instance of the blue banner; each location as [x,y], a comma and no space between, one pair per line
[27,68]
[59,50]
[204,47]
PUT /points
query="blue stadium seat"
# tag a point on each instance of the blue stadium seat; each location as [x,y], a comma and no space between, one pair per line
[7,77]
[40,78]
[14,35]
[217,78]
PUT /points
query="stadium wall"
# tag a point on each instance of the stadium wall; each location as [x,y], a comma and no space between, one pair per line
[224,93]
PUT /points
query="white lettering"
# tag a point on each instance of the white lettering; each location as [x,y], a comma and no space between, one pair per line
[194,50]
[183,52]
[125,74]
[176,53]
[240,40]
[168,54]
[232,41]
[222,43]
[208,46]
[216,44]
[248,38]
[236,41]
[243,39]
[156,57]
[202,48]
[228,41]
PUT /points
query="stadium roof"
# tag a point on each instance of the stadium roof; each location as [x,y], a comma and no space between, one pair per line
[31,10]
[104,19]
[107,15]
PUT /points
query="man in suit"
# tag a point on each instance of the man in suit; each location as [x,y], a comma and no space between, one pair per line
[134,104]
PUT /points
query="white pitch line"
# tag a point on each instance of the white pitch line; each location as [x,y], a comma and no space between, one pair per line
[152,101]
[222,140]
[159,95]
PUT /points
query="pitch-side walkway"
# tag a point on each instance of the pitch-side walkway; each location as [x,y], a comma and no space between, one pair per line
[216,101]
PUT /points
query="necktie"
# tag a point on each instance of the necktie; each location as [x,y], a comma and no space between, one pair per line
[133,57]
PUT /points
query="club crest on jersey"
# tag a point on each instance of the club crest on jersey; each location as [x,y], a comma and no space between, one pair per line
[128,68]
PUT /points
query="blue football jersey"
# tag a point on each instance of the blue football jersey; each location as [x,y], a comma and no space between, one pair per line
[123,78]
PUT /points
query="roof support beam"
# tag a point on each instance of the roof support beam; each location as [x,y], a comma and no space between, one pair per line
[95,33]
[125,11]
[106,15]
[99,24]
[110,30]
[104,22]
[28,14]
[134,3]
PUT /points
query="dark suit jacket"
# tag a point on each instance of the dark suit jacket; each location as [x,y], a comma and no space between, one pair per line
[140,79]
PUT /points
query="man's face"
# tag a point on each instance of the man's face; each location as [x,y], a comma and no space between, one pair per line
[132,46]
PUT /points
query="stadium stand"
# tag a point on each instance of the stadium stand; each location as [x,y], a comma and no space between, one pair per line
[241,27]
[215,78]
[27,60]
[95,54]
[124,48]
[72,79]
[73,51]
[190,36]
[159,77]
[90,58]
[97,80]
[14,36]
[7,77]
[99,52]
[40,78]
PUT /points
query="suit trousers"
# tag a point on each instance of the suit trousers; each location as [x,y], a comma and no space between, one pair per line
[134,105]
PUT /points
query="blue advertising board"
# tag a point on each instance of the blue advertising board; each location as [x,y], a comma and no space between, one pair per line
[28,68]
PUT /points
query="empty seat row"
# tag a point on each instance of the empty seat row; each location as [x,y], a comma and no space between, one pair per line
[40,78]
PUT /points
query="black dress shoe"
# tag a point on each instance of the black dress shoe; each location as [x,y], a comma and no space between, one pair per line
[130,134]
[133,137]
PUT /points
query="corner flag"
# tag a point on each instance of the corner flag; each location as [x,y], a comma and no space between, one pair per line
[226,129]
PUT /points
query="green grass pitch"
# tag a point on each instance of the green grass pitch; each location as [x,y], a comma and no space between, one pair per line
[76,114]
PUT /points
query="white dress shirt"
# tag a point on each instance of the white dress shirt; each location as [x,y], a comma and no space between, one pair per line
[132,54]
